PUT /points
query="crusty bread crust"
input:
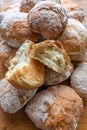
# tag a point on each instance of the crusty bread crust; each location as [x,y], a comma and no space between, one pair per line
[73,10]
[56,108]
[27,5]
[15,30]
[53,78]
[74,40]
[12,99]
[78,80]
[24,72]
[46,18]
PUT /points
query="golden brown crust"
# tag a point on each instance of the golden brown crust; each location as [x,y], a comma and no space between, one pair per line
[74,39]
[24,72]
[27,5]
[46,18]
[56,108]
[73,10]
[35,79]
[52,54]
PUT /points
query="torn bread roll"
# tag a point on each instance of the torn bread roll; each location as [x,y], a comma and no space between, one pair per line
[78,80]
[6,54]
[51,54]
[27,5]
[48,19]
[12,99]
[74,40]
[53,78]
[25,72]
[14,29]
[57,108]
[73,10]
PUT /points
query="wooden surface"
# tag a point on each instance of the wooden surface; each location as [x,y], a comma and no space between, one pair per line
[20,121]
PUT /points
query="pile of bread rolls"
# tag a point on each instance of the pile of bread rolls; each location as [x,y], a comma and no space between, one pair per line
[44,43]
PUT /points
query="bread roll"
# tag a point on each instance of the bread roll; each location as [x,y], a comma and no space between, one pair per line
[51,54]
[47,18]
[27,5]
[79,80]
[25,72]
[53,78]
[73,10]
[14,29]
[12,99]
[57,108]
[74,40]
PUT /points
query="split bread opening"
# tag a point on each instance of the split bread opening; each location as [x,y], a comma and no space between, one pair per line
[51,54]
[25,72]
[27,67]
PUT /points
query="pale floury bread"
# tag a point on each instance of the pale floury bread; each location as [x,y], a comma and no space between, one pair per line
[6,54]
[27,5]
[14,29]
[51,54]
[47,18]
[13,7]
[12,99]
[79,80]
[25,72]
[9,4]
[74,40]
[53,78]
[57,108]
[8,9]
[73,10]
[84,22]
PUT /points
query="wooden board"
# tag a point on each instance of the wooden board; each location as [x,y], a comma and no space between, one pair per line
[20,121]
